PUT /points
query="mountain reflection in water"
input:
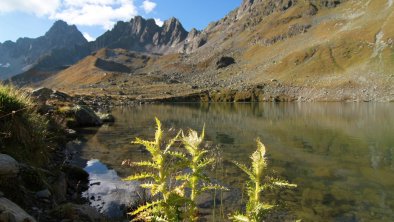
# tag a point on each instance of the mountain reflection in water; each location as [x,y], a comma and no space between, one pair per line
[341,155]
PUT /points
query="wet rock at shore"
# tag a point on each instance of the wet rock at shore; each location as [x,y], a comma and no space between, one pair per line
[9,211]
[8,166]
[86,116]
[106,117]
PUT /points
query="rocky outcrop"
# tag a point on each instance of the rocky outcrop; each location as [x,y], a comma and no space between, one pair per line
[9,167]
[10,212]
[143,35]
[224,62]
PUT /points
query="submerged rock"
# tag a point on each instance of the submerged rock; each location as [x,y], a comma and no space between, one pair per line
[8,166]
[9,211]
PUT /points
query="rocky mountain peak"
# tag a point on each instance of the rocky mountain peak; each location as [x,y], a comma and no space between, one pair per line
[63,34]
[172,32]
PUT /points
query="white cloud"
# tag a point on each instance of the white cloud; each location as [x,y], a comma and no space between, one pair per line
[148,6]
[88,37]
[36,7]
[159,22]
[103,13]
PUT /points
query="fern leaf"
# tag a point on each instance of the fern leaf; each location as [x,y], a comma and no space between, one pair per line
[144,208]
[145,164]
[178,155]
[246,170]
[213,187]
[240,218]
[171,142]
[205,162]
[159,132]
[139,177]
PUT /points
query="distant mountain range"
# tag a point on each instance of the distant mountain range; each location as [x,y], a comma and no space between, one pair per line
[315,49]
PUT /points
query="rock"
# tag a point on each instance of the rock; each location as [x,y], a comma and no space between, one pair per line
[75,212]
[60,96]
[42,94]
[71,132]
[106,117]
[43,194]
[60,188]
[8,166]
[76,173]
[224,62]
[86,117]
[10,212]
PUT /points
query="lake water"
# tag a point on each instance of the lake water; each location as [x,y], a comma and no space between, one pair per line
[341,155]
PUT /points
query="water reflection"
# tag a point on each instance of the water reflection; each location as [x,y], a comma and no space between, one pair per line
[340,155]
[107,192]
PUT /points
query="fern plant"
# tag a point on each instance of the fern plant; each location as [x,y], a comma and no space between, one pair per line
[169,200]
[256,209]
[197,162]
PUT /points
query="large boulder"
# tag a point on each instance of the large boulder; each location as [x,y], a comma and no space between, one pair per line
[224,62]
[61,96]
[10,212]
[42,94]
[106,117]
[86,116]
[8,166]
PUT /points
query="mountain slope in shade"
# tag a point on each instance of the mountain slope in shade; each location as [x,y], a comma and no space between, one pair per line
[25,53]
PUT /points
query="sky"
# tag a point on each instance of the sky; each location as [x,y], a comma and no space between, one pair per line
[32,18]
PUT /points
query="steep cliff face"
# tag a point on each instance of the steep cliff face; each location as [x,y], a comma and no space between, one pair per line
[144,36]
[20,56]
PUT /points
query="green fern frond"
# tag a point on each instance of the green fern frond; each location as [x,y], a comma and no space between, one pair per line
[178,155]
[171,142]
[159,132]
[144,207]
[240,218]
[246,170]
[205,162]
[207,187]
[140,176]
[148,164]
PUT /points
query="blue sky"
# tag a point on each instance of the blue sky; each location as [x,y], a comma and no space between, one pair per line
[32,18]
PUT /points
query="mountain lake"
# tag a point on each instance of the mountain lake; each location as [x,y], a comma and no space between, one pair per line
[341,156]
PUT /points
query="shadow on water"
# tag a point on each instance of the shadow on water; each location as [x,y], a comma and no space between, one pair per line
[340,154]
